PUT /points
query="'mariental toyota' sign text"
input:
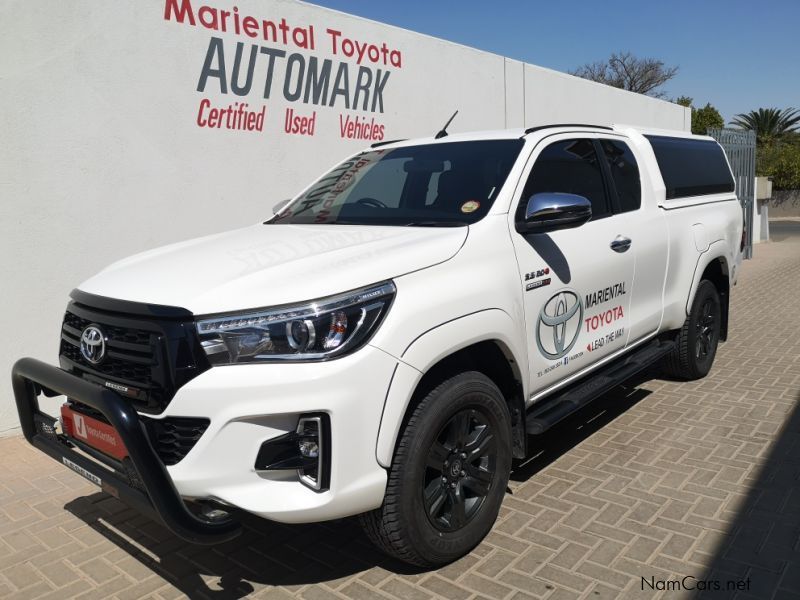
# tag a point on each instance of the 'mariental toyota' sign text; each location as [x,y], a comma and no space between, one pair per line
[278,60]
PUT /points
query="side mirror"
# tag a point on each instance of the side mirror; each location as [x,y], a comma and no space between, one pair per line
[279,206]
[552,211]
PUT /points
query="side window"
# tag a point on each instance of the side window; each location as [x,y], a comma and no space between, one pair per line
[571,167]
[624,172]
[691,167]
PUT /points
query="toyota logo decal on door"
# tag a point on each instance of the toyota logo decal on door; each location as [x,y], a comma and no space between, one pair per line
[559,324]
[93,344]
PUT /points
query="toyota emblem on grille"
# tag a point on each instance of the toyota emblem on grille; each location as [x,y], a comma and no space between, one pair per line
[93,344]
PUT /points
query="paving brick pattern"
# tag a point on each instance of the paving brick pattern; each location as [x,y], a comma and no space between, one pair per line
[660,480]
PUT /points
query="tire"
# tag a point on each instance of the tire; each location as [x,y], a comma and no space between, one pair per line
[439,504]
[696,343]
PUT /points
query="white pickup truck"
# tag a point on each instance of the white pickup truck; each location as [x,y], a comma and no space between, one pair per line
[396,334]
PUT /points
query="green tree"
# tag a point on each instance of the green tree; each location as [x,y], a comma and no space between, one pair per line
[628,72]
[781,162]
[704,118]
[770,124]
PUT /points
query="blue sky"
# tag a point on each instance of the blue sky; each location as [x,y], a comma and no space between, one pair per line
[739,55]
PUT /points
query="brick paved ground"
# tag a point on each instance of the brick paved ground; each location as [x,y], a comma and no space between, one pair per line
[665,480]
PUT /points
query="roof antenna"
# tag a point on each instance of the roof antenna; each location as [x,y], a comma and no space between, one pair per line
[443,132]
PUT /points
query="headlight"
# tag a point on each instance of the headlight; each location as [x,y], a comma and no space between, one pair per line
[317,330]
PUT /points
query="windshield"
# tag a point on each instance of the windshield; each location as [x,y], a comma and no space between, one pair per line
[444,184]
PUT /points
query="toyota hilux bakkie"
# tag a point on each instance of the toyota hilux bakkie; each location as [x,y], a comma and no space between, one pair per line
[391,338]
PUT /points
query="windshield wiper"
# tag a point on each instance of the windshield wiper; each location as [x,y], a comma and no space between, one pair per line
[411,224]
[435,224]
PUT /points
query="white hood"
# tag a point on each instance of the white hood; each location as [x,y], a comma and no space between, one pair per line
[268,265]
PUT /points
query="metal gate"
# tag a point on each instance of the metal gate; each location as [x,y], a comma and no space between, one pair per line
[740,147]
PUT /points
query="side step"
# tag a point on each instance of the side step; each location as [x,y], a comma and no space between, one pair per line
[563,403]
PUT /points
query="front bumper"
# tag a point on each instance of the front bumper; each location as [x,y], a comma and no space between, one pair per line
[161,500]
[246,405]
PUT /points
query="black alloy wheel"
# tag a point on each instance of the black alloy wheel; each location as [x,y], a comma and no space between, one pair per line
[448,475]
[461,470]
[696,342]
[706,330]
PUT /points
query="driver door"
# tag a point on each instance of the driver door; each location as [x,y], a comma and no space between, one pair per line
[577,282]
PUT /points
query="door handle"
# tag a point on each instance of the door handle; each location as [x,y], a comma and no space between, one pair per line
[621,244]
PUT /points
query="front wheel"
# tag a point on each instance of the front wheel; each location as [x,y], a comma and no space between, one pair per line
[448,476]
[696,344]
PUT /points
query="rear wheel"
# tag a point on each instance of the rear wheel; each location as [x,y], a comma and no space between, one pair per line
[448,476]
[696,344]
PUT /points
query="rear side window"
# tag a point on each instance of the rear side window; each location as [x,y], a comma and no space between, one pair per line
[691,167]
[569,167]
[624,172]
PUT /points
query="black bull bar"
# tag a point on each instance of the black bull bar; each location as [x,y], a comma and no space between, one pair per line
[30,377]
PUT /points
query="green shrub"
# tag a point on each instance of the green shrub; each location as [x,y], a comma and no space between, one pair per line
[781,162]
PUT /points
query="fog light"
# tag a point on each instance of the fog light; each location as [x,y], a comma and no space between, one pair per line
[215,514]
[309,448]
[310,431]
[305,450]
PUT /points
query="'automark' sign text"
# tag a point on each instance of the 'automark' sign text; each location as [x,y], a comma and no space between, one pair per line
[286,68]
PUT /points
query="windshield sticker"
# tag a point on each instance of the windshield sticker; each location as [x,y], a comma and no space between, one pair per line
[470,206]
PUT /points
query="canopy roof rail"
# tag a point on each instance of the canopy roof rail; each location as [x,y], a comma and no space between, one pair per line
[539,127]
[379,144]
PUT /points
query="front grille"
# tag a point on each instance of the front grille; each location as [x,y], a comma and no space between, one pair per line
[116,365]
[173,437]
[147,358]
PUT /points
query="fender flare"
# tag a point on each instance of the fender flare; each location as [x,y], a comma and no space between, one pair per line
[430,348]
[716,251]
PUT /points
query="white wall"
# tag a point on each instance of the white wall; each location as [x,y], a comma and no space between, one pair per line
[101,155]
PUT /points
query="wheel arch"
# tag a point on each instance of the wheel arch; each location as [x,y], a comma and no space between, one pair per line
[454,347]
[715,268]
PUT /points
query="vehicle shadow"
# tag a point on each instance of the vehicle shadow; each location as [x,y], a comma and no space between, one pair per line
[265,554]
[274,554]
[759,554]
[546,448]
